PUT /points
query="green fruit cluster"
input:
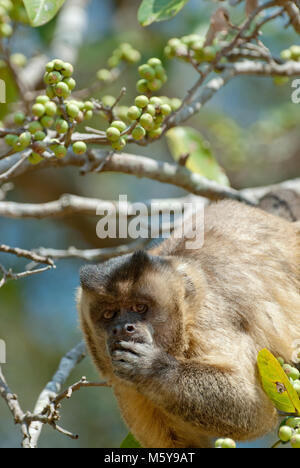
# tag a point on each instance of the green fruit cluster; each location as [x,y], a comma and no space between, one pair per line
[51,113]
[58,78]
[225,443]
[293,53]
[6,7]
[292,373]
[11,11]
[289,431]
[116,135]
[124,53]
[191,46]
[149,113]
[144,119]
[19,142]
[153,76]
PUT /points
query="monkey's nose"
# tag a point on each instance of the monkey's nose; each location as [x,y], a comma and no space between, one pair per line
[127,329]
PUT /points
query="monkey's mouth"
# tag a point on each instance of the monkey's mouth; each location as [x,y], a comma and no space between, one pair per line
[116,345]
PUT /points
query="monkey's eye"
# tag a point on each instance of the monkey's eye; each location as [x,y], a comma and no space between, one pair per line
[140,308]
[109,314]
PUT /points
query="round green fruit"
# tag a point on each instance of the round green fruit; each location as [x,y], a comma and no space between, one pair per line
[72,110]
[88,106]
[39,147]
[153,62]
[175,103]
[38,110]
[61,126]
[160,72]
[88,115]
[138,133]
[47,121]
[166,109]
[142,86]
[291,372]
[60,151]
[19,118]
[70,82]
[141,101]
[67,70]
[146,121]
[132,56]
[39,136]
[79,147]
[151,110]
[156,133]
[295,441]
[10,139]
[34,127]
[80,117]
[218,443]
[134,113]
[35,158]
[108,100]
[121,126]
[155,101]
[58,64]
[62,90]
[104,75]
[113,134]
[147,72]
[6,30]
[293,422]
[286,55]
[50,109]
[119,144]
[19,60]
[50,92]
[42,99]
[50,67]
[25,139]
[53,78]
[174,43]
[285,433]
[295,52]
[155,85]
[228,443]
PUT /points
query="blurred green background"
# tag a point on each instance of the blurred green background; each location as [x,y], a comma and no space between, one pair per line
[253,129]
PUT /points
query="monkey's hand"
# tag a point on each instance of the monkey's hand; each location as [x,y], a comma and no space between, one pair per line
[136,361]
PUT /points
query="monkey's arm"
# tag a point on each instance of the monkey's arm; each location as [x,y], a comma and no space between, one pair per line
[218,401]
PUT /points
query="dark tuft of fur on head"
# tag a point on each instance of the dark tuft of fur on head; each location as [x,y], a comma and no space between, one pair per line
[128,267]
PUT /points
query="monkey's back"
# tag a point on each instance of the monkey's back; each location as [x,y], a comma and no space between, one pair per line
[251,264]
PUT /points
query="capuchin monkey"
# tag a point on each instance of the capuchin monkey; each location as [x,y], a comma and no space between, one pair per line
[176,332]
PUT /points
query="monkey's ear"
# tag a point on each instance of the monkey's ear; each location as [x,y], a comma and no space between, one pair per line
[190,289]
[89,277]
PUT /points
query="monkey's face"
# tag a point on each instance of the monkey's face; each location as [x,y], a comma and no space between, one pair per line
[132,299]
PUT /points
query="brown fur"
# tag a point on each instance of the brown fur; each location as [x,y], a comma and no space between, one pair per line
[190,373]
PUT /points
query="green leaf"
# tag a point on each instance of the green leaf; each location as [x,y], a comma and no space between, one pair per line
[276,383]
[130,442]
[159,10]
[42,11]
[186,140]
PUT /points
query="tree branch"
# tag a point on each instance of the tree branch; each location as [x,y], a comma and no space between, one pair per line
[53,388]
[67,39]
